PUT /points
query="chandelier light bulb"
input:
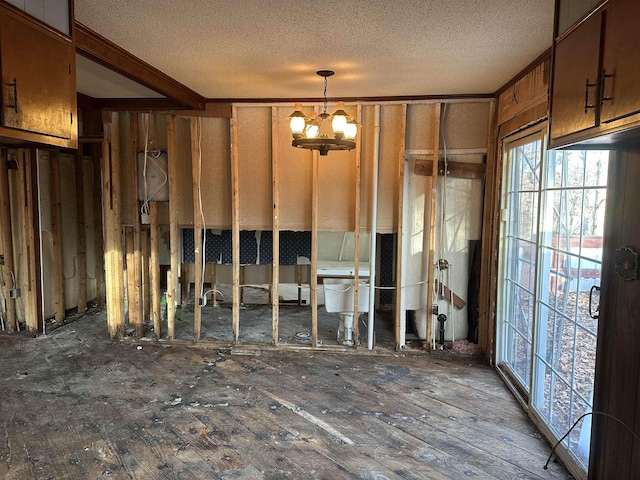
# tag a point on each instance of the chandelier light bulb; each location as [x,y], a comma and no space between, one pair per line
[339,121]
[297,121]
[312,129]
[350,130]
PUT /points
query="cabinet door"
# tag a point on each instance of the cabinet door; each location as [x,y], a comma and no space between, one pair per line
[575,79]
[37,78]
[621,60]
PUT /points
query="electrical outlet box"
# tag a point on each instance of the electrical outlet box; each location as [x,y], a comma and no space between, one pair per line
[14,293]
[202,301]
[145,218]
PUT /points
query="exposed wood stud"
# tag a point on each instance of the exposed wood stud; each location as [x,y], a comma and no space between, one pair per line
[446,294]
[356,234]
[56,234]
[174,229]
[98,225]
[433,198]
[111,200]
[275,197]
[154,270]
[185,282]
[399,286]
[424,166]
[242,283]
[214,283]
[235,224]
[299,280]
[6,242]
[146,298]
[135,305]
[313,280]
[490,227]
[130,276]
[198,221]
[81,231]
[27,172]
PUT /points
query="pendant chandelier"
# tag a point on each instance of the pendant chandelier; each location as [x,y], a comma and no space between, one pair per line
[308,132]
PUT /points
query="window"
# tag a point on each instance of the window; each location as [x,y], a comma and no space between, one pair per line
[553,207]
[520,217]
[569,265]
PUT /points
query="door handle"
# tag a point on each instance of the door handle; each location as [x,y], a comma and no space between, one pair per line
[588,105]
[603,96]
[14,84]
[593,314]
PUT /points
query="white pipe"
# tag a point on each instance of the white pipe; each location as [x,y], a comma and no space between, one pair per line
[374,226]
[344,239]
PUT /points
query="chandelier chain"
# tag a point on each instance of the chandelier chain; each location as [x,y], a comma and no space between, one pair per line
[325,95]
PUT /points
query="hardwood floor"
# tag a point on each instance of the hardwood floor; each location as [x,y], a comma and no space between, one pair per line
[75,406]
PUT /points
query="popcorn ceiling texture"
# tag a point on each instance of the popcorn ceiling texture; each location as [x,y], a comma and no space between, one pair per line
[272,48]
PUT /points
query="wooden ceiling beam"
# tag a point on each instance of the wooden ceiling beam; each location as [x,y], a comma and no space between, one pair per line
[97,48]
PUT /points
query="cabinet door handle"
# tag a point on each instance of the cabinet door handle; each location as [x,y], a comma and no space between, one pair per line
[587,86]
[593,314]
[605,75]
[14,84]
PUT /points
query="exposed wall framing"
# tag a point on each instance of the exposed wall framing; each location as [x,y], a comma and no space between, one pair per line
[236,167]
[6,239]
[111,207]
[56,231]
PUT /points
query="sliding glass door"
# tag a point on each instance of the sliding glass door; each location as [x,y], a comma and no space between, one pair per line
[519,215]
[552,216]
[569,264]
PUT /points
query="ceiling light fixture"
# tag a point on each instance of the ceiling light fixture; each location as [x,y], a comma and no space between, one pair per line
[307,132]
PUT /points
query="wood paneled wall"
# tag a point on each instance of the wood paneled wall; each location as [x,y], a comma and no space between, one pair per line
[521,103]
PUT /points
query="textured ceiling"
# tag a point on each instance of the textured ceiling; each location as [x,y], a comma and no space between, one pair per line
[272,48]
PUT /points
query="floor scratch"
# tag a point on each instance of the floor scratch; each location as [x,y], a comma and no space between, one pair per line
[312,418]
[7,444]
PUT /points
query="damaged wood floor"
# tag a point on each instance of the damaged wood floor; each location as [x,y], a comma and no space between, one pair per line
[75,406]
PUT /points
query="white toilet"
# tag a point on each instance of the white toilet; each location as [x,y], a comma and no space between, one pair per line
[338,298]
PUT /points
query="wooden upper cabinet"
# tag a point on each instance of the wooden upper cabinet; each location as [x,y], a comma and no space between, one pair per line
[596,73]
[38,82]
[621,61]
[571,11]
[575,79]
[55,13]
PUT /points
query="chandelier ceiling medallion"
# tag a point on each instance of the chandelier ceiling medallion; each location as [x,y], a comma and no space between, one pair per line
[312,132]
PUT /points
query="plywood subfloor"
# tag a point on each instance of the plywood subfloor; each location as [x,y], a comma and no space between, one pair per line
[75,406]
[294,321]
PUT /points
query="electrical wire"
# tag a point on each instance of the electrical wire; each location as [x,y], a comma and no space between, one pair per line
[214,291]
[444,182]
[204,225]
[150,156]
[553,449]
[144,209]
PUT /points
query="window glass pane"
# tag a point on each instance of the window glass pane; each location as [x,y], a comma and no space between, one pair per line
[569,264]
[574,171]
[520,201]
[560,405]
[541,392]
[579,439]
